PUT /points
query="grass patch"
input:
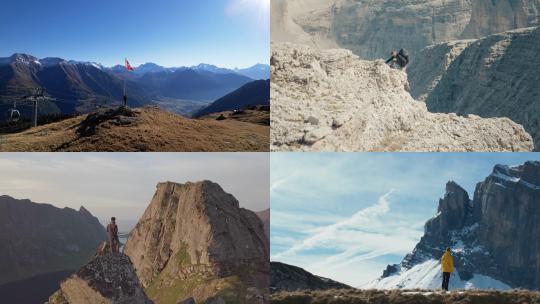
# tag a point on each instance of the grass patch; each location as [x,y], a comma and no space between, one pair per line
[182,256]
[355,296]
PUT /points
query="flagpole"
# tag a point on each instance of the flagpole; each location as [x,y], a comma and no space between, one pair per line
[125,96]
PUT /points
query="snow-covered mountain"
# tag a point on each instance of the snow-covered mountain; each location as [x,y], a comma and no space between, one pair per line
[494,236]
[211,68]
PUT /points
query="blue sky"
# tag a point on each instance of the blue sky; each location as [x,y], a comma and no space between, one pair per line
[227,33]
[123,184]
[347,215]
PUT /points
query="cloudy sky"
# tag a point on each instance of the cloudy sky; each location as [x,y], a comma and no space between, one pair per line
[122,184]
[347,215]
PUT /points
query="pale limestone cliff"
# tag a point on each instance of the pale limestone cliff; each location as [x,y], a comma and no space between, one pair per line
[330,100]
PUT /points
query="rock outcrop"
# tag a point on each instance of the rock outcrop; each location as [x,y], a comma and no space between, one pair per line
[494,236]
[106,279]
[284,277]
[330,100]
[496,76]
[373,28]
[39,238]
[195,241]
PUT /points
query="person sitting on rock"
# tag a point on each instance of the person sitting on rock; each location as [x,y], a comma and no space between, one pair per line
[447,265]
[112,231]
[398,60]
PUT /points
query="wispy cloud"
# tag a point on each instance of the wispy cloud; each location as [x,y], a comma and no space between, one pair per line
[329,234]
[333,213]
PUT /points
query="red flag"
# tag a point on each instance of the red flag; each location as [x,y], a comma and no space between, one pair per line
[128,66]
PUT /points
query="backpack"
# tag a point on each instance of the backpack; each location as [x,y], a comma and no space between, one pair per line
[405,55]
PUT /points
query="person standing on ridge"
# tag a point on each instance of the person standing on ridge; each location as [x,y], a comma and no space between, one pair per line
[447,267]
[112,231]
[398,60]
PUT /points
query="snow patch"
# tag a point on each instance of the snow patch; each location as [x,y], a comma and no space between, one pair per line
[428,275]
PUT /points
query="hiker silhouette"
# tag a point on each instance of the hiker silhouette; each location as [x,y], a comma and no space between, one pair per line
[112,231]
[447,267]
[398,60]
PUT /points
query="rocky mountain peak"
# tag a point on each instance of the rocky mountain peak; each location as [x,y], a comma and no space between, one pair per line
[108,278]
[83,211]
[454,207]
[493,236]
[22,58]
[197,232]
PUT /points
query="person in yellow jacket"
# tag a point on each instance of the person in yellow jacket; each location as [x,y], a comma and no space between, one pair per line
[447,265]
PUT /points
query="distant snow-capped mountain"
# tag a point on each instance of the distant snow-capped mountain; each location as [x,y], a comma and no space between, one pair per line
[80,87]
[493,237]
[258,71]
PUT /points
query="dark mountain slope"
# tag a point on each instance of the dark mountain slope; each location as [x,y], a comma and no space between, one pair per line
[284,277]
[40,238]
[254,93]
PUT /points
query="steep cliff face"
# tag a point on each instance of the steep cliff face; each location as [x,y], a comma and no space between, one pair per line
[496,76]
[194,240]
[39,238]
[330,100]
[107,279]
[372,28]
[494,237]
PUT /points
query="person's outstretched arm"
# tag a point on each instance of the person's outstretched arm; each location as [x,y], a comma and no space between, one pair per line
[391,58]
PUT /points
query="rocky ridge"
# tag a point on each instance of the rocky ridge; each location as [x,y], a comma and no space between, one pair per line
[105,279]
[195,241]
[495,76]
[493,236]
[330,100]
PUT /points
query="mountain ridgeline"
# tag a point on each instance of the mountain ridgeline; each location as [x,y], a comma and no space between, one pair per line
[194,241]
[40,238]
[81,87]
[494,236]
[42,245]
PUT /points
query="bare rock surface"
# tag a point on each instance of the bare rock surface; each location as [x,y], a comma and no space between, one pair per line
[109,278]
[330,100]
[496,76]
[195,241]
[372,28]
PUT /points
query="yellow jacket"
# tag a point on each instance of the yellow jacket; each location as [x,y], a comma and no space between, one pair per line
[447,262]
